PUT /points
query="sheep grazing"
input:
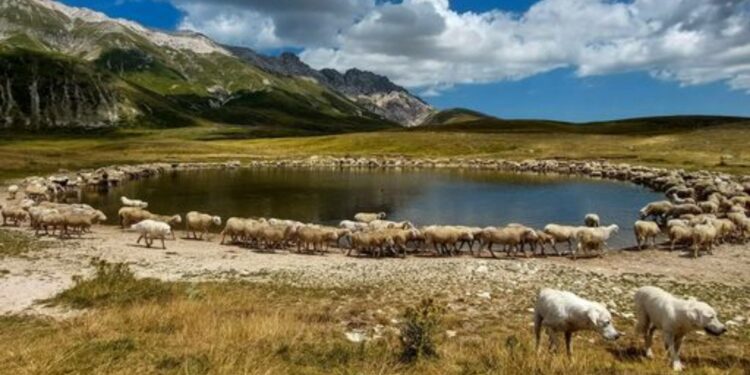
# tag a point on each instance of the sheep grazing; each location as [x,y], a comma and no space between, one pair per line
[594,239]
[704,236]
[196,222]
[562,233]
[133,202]
[645,230]
[12,191]
[366,217]
[151,230]
[591,220]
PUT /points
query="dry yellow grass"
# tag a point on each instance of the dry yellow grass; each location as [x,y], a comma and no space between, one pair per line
[236,328]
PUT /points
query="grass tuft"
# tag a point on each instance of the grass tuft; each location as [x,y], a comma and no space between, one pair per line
[420,328]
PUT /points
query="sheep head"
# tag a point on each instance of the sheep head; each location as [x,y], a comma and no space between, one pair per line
[216,220]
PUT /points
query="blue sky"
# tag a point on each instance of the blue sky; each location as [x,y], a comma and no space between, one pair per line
[549,87]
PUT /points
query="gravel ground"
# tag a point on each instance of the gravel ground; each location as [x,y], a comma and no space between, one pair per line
[470,285]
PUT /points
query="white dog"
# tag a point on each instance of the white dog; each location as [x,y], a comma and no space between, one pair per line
[675,317]
[565,312]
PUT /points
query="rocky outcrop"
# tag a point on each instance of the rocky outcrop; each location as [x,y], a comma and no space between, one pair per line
[374,92]
[37,93]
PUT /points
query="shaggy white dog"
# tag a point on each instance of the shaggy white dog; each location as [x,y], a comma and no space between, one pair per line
[561,311]
[675,317]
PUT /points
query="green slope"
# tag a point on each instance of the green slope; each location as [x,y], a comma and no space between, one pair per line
[463,120]
[153,85]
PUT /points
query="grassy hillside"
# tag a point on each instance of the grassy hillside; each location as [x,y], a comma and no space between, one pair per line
[470,121]
[720,146]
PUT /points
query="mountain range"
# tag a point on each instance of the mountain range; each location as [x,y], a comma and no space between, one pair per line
[67,67]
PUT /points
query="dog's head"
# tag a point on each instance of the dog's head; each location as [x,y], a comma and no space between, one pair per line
[601,319]
[704,316]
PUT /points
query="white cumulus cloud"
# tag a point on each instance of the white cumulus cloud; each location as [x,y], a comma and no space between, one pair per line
[426,44]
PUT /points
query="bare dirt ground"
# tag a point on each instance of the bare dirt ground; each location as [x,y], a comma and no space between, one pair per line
[42,274]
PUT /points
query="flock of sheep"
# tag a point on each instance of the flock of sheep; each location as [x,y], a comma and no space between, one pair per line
[368,233]
[703,209]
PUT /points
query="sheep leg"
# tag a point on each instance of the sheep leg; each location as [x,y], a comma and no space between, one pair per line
[538,329]
[163,245]
[568,342]
[138,241]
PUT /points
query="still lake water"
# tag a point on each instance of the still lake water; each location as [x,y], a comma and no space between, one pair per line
[466,197]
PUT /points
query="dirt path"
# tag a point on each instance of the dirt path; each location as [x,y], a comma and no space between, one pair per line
[42,274]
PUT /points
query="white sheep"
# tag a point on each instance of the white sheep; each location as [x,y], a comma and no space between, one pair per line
[679,233]
[645,230]
[234,228]
[12,191]
[366,217]
[591,220]
[594,239]
[387,224]
[354,226]
[562,233]
[704,236]
[46,218]
[200,222]
[151,230]
[133,202]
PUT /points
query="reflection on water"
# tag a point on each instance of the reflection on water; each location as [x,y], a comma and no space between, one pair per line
[478,198]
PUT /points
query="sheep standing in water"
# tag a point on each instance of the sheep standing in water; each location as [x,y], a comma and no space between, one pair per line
[196,222]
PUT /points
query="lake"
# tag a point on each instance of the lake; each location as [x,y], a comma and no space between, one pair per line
[466,197]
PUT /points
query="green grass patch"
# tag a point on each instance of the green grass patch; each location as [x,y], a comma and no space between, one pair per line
[14,244]
[113,284]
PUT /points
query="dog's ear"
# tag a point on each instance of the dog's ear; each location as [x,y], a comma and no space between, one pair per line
[692,313]
[593,316]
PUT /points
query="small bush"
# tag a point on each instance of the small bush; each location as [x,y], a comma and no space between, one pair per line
[420,327]
[113,284]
